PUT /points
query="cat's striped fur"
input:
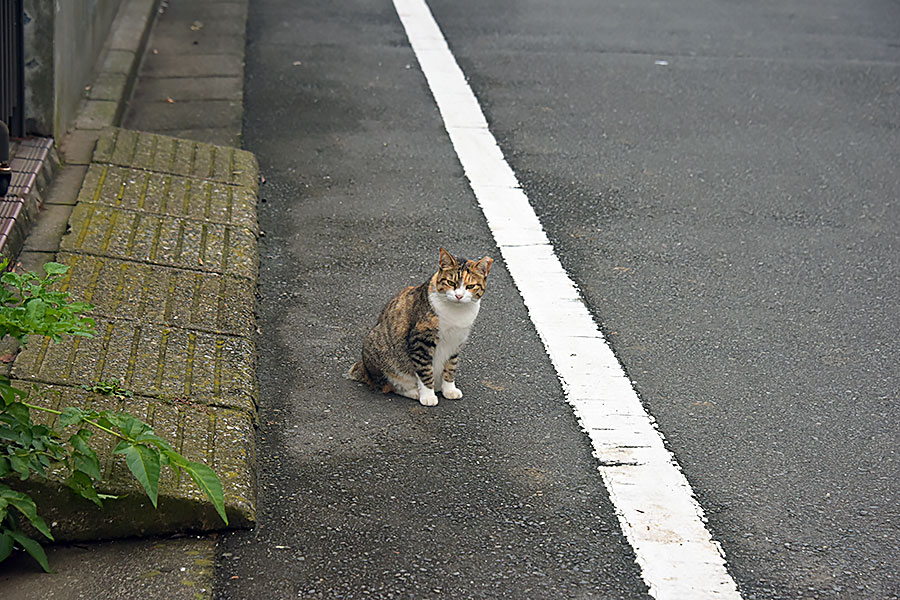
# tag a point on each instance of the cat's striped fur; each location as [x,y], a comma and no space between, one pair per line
[421,330]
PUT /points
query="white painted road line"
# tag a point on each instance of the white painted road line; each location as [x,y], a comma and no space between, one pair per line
[654,502]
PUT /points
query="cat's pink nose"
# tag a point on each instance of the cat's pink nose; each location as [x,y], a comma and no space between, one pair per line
[459,295]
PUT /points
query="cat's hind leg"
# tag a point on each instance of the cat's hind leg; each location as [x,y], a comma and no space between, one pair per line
[405,386]
[414,394]
[420,392]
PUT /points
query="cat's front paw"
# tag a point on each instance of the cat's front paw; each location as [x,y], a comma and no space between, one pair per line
[429,398]
[450,391]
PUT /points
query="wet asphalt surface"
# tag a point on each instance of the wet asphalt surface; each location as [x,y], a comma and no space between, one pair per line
[362,495]
[721,181]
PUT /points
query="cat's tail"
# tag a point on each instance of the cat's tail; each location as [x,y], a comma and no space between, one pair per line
[358,373]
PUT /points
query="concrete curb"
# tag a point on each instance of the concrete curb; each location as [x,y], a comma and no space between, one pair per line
[108,96]
[161,234]
[162,241]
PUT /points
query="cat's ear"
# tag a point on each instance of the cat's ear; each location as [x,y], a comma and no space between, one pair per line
[484,265]
[447,261]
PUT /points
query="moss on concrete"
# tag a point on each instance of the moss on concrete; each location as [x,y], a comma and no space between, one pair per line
[164,154]
[151,360]
[219,437]
[172,195]
[147,294]
[163,240]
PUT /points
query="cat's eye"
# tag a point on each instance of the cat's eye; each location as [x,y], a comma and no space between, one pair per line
[471,286]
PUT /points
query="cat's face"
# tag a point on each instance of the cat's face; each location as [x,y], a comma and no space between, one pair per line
[462,281]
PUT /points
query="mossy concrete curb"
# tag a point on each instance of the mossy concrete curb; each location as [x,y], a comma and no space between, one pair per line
[106,98]
[163,241]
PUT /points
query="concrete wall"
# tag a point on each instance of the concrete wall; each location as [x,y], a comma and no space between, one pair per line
[63,39]
[40,100]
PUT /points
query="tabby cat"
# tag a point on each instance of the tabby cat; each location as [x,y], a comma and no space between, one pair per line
[420,331]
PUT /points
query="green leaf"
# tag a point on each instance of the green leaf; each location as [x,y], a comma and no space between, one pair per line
[144,465]
[89,464]
[11,279]
[31,547]
[208,482]
[9,393]
[81,483]
[175,460]
[19,412]
[8,434]
[80,440]
[36,310]
[20,466]
[39,463]
[26,437]
[104,419]
[25,505]
[129,425]
[55,298]
[28,306]
[4,467]
[70,416]
[6,545]
[53,268]
[84,326]
[150,437]
[84,457]
[134,426]
[81,307]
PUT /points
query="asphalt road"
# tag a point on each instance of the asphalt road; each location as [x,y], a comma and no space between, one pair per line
[492,496]
[719,178]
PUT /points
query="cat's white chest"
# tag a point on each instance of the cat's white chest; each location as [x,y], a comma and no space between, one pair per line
[455,323]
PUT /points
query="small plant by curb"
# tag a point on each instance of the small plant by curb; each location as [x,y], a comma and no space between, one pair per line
[111,387]
[29,306]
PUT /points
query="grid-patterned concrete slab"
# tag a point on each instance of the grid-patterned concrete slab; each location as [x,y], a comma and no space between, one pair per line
[171,195]
[152,360]
[163,241]
[216,436]
[193,300]
[163,154]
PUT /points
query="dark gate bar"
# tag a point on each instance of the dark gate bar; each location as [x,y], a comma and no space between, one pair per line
[12,66]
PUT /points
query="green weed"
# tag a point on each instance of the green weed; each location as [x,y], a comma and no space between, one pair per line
[30,306]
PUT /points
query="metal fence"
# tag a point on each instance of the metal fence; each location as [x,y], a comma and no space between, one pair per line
[12,66]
